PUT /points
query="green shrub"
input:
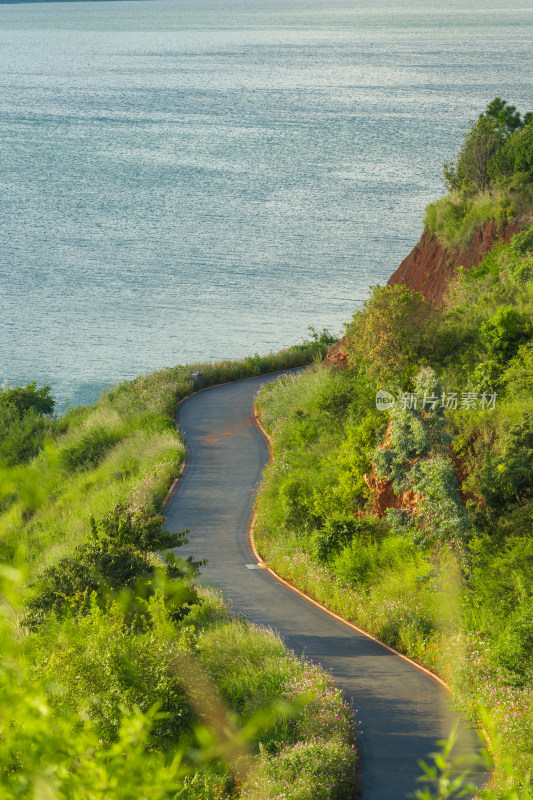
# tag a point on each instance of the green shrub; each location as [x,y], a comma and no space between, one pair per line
[104,668]
[116,557]
[507,476]
[25,421]
[21,436]
[298,773]
[28,398]
[336,532]
[363,561]
[504,332]
[391,336]
[517,377]
[522,243]
[513,647]
[89,449]
[294,501]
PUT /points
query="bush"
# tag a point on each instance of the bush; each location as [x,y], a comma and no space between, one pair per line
[336,533]
[115,558]
[28,398]
[364,562]
[506,476]
[23,422]
[391,336]
[298,773]
[106,669]
[21,436]
[504,332]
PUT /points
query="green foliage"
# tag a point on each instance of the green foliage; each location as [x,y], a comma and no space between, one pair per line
[492,177]
[21,435]
[90,708]
[504,332]
[365,560]
[481,143]
[89,449]
[416,459]
[455,218]
[517,377]
[125,449]
[522,243]
[391,336]
[298,773]
[103,668]
[498,136]
[507,117]
[24,422]
[117,556]
[28,398]
[448,777]
[507,476]
[482,340]
[337,532]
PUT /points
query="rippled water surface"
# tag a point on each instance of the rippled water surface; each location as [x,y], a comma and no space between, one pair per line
[185,180]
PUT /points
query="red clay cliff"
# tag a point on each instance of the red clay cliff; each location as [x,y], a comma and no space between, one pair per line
[429,267]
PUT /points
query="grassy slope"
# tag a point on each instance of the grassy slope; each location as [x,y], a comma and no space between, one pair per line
[123,449]
[316,521]
[94,680]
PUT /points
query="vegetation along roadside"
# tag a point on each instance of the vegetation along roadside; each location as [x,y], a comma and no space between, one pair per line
[120,678]
[400,489]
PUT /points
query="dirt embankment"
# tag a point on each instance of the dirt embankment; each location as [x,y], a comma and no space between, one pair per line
[429,267]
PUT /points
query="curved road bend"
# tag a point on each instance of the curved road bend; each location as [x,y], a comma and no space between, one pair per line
[403,712]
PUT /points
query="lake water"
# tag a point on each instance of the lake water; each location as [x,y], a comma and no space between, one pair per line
[200,179]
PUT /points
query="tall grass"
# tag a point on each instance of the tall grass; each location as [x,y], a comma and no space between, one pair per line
[454,219]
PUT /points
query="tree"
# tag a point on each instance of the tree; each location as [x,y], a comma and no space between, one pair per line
[25,418]
[505,115]
[481,143]
[483,153]
[28,397]
[391,335]
[117,556]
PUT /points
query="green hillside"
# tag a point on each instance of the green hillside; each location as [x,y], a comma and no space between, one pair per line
[119,677]
[415,521]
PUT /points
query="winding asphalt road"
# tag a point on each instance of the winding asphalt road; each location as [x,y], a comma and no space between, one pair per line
[403,712]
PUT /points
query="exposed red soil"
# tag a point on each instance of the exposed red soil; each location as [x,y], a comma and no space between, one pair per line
[337,356]
[383,496]
[429,266]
